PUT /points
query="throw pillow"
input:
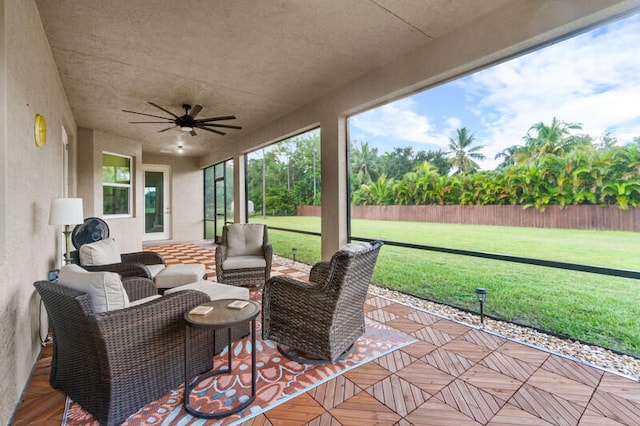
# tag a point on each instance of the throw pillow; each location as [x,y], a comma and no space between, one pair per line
[104,288]
[103,252]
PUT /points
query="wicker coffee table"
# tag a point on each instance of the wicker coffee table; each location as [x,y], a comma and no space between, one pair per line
[221,317]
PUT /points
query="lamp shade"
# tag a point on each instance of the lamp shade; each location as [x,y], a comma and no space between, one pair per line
[66,211]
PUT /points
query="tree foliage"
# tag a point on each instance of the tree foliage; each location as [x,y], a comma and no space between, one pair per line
[291,171]
[554,166]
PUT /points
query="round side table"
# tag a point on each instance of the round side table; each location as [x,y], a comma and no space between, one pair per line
[219,318]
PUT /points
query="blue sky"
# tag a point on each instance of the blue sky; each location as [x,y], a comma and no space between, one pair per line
[592,79]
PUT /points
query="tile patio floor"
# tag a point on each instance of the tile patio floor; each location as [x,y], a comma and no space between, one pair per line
[454,375]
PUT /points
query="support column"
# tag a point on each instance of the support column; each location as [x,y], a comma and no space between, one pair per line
[333,166]
[240,214]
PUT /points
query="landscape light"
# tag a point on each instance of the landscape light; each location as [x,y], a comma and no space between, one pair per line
[481,294]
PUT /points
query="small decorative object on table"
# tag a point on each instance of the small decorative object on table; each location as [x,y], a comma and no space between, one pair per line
[201,310]
[238,304]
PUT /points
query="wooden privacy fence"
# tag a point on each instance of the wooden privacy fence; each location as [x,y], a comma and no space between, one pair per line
[605,218]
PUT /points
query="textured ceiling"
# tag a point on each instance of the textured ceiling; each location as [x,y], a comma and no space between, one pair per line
[255,59]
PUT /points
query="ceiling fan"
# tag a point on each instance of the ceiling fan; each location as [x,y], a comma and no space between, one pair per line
[187,122]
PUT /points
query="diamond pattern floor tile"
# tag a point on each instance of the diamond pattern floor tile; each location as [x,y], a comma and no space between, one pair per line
[425,376]
[366,375]
[395,360]
[491,381]
[437,413]
[467,349]
[470,400]
[550,407]
[559,385]
[510,415]
[363,409]
[334,392]
[296,411]
[398,394]
[573,370]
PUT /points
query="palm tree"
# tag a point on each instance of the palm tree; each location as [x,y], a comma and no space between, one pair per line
[553,139]
[364,162]
[462,154]
[512,155]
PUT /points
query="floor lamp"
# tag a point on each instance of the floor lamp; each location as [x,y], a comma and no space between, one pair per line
[67,212]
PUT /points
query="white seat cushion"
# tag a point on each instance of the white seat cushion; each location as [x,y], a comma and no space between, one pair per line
[216,291]
[155,269]
[244,239]
[244,262]
[104,288]
[175,275]
[103,252]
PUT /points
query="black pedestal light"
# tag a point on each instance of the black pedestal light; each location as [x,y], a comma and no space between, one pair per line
[481,294]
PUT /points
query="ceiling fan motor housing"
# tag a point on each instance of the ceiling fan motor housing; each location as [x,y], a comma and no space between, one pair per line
[188,121]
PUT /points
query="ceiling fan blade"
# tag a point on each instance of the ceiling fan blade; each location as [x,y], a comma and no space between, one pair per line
[165,110]
[148,115]
[226,126]
[192,133]
[168,128]
[226,117]
[195,111]
[149,122]
[212,130]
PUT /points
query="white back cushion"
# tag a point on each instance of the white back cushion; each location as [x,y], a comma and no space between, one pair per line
[103,252]
[104,288]
[245,239]
[355,247]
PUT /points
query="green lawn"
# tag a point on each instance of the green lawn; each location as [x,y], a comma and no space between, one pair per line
[588,307]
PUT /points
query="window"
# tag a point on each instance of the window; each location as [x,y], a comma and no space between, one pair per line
[116,184]
[283,186]
[534,158]
[218,198]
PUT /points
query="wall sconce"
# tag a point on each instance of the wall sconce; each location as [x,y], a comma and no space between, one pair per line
[294,251]
[481,294]
[67,212]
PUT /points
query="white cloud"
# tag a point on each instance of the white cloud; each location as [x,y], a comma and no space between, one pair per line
[398,121]
[592,79]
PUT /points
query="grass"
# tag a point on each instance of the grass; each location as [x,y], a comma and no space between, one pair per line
[588,307]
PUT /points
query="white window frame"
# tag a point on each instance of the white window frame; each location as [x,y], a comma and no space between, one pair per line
[129,186]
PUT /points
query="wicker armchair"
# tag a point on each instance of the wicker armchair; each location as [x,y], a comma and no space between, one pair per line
[114,363]
[243,257]
[134,264]
[324,316]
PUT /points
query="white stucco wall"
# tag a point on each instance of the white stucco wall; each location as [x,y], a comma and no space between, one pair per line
[93,143]
[31,176]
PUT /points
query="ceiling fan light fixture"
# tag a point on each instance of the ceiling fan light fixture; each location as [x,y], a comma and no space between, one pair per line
[186,128]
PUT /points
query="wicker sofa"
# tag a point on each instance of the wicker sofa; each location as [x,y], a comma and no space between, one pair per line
[324,316]
[113,363]
[243,257]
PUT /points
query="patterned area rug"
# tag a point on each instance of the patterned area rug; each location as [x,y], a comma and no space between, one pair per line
[278,380]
